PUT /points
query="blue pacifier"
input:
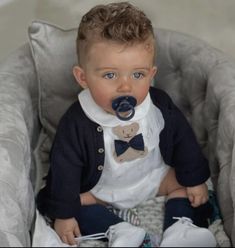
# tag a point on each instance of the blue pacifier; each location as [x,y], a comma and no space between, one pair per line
[124,107]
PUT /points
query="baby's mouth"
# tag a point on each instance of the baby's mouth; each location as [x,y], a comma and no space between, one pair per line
[124,107]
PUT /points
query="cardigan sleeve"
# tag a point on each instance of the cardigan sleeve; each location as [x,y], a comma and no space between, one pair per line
[178,143]
[61,196]
[191,166]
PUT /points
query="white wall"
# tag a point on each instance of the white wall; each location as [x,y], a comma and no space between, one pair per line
[15,16]
[210,20]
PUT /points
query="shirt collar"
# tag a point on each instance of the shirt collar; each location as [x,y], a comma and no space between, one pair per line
[103,118]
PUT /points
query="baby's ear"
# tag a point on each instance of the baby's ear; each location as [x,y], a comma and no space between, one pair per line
[153,72]
[80,76]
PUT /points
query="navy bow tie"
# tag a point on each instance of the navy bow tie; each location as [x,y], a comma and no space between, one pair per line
[137,143]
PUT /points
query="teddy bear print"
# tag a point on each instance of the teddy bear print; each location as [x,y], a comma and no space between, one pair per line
[130,145]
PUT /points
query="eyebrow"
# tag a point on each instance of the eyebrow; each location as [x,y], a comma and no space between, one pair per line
[105,68]
[142,68]
[114,68]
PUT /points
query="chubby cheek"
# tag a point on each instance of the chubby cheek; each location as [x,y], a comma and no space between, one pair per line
[102,99]
[141,94]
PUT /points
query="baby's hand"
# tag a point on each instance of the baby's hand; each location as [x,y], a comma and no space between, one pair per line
[67,229]
[197,195]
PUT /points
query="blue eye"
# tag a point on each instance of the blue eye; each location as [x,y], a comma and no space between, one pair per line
[138,75]
[109,75]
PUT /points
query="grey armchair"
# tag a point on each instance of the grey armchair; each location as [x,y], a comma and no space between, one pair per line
[36,87]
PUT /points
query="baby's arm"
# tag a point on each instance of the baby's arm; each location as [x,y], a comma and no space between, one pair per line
[67,229]
[197,195]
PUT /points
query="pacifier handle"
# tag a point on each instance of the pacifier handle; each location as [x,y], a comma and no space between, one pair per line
[124,104]
[131,111]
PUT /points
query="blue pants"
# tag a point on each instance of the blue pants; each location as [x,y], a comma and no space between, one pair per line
[95,219]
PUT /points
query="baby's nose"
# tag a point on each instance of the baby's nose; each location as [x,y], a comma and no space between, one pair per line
[125,86]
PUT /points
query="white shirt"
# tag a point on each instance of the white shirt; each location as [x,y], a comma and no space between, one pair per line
[126,184]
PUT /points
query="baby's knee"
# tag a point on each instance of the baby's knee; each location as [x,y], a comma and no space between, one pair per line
[171,187]
[177,193]
[88,198]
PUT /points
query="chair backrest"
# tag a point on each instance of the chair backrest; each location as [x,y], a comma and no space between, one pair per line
[185,67]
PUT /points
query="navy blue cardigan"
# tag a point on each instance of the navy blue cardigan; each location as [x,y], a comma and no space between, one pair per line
[77,156]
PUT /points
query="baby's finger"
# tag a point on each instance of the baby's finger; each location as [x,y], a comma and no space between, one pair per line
[197,201]
[70,238]
[191,198]
[64,239]
[77,231]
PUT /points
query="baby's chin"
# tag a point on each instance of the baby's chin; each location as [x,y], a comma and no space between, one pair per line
[123,114]
[110,111]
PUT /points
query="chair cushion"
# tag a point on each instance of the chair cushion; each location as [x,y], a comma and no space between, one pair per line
[54,52]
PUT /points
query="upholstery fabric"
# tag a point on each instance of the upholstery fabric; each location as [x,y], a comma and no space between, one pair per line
[18,134]
[35,91]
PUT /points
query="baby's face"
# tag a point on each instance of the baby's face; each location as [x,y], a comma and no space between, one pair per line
[112,70]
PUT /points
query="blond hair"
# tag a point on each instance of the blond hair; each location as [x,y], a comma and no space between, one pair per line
[119,22]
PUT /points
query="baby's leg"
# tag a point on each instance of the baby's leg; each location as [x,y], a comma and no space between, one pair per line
[96,218]
[88,198]
[170,186]
[181,232]
[177,204]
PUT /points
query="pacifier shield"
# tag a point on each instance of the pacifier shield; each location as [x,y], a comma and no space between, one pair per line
[124,107]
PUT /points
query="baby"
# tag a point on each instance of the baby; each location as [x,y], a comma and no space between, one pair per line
[123,141]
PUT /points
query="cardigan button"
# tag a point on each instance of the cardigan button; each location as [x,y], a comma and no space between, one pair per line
[99,129]
[100,167]
[101,150]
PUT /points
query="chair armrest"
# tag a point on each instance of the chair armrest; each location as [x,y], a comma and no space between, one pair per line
[220,119]
[201,81]
[19,128]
